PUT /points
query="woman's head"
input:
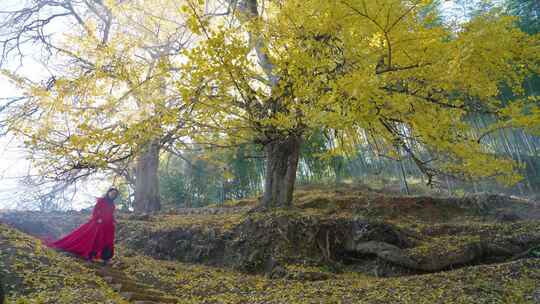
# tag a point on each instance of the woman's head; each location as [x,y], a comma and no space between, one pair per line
[111,194]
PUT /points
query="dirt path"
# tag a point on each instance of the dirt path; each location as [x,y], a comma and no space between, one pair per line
[128,288]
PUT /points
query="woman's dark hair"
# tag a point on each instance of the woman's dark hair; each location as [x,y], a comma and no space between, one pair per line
[109,191]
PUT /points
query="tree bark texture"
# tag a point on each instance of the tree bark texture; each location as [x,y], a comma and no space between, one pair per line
[147,181]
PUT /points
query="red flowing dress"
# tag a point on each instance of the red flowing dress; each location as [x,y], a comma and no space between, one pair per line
[95,238]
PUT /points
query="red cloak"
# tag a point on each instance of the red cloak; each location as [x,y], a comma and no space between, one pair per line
[95,238]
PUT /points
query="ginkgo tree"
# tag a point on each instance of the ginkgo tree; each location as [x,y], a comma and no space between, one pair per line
[274,71]
[108,103]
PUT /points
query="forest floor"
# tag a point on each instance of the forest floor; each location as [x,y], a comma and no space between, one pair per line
[344,245]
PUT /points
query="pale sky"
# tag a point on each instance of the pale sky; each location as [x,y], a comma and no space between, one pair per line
[12,160]
[13,165]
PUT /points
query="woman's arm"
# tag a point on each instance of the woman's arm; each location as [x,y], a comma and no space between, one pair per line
[96,214]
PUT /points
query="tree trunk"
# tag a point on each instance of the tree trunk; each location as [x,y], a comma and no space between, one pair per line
[403,177]
[2,296]
[146,181]
[337,163]
[281,164]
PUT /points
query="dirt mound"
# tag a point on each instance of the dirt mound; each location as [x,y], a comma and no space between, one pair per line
[367,231]
[260,242]
[426,208]
[267,243]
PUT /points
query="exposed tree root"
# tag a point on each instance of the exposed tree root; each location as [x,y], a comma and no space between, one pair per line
[472,253]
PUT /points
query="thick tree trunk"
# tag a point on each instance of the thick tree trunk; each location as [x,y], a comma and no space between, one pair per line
[281,155]
[281,165]
[146,181]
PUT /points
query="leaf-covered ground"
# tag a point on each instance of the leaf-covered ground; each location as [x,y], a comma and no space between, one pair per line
[425,234]
[48,277]
[492,244]
[515,282]
[32,273]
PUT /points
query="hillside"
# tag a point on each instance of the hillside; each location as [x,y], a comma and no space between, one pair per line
[34,274]
[346,245]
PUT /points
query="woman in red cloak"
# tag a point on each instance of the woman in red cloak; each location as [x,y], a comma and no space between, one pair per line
[95,238]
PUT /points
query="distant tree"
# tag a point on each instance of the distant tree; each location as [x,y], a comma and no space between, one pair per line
[529,13]
[173,182]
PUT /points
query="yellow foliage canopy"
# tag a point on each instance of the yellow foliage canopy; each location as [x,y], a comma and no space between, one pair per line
[381,71]
[381,67]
